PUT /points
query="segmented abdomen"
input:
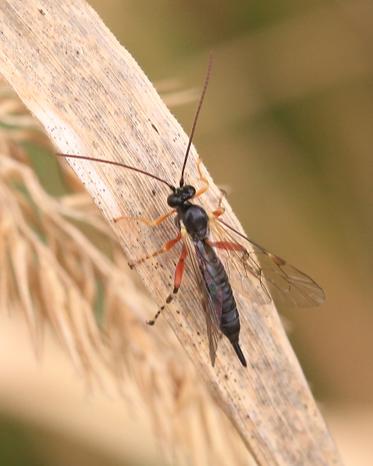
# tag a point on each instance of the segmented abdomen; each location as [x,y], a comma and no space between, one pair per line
[219,289]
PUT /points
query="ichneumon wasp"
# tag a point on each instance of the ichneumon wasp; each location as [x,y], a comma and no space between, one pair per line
[195,229]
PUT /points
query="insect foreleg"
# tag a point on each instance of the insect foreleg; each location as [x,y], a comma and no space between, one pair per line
[149,222]
[202,179]
[165,248]
[223,194]
[179,271]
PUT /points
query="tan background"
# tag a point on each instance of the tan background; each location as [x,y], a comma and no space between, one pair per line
[287,126]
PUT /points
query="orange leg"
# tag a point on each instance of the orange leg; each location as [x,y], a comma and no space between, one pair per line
[249,262]
[165,248]
[217,213]
[227,245]
[223,194]
[149,222]
[201,178]
[179,271]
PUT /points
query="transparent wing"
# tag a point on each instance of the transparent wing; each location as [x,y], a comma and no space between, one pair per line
[242,267]
[273,275]
[212,305]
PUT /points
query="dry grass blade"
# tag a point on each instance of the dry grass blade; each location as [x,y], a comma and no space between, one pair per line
[93,99]
[50,273]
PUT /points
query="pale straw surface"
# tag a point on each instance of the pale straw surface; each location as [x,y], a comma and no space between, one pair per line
[50,270]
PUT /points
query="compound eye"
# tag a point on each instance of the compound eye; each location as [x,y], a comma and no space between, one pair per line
[189,191]
[173,200]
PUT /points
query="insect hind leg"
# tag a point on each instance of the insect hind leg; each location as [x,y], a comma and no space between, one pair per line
[179,271]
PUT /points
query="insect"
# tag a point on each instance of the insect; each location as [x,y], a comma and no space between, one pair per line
[250,263]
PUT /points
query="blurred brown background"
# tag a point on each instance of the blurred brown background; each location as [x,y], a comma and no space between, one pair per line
[287,126]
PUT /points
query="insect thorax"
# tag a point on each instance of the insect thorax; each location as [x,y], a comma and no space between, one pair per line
[195,220]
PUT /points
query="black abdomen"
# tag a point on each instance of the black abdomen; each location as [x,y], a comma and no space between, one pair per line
[219,288]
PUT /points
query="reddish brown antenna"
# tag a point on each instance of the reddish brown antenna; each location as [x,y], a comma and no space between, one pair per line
[118,164]
[207,78]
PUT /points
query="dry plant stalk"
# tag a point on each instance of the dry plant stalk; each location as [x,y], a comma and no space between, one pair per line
[47,257]
[93,99]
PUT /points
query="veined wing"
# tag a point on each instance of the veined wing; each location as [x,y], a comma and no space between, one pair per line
[277,279]
[212,305]
[242,267]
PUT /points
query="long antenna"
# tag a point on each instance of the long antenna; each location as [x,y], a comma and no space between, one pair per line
[207,78]
[118,164]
